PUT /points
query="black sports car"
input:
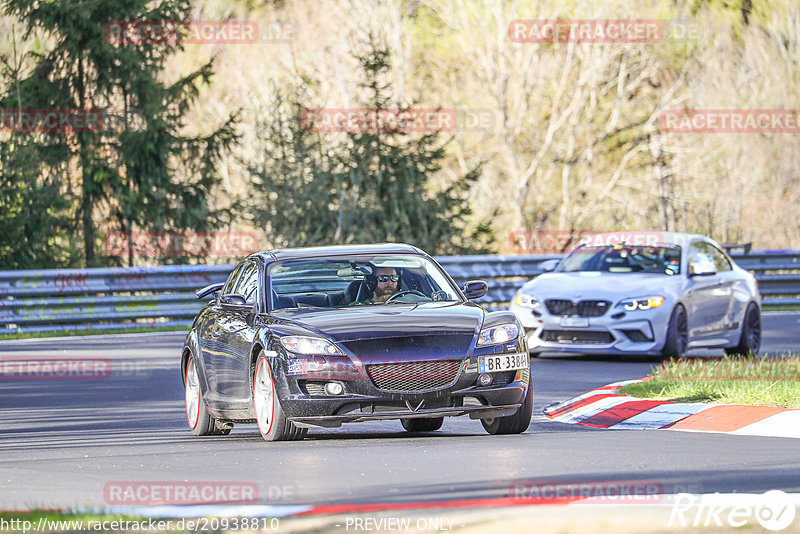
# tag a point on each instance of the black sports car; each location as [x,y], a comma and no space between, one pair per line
[317,337]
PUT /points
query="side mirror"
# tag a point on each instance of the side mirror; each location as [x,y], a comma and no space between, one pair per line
[549,265]
[234,301]
[209,289]
[702,269]
[475,289]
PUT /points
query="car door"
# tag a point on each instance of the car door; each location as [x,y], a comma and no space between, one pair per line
[705,293]
[236,335]
[210,334]
[728,280]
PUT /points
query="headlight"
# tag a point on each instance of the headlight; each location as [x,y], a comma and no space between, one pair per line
[646,303]
[309,345]
[526,301]
[497,334]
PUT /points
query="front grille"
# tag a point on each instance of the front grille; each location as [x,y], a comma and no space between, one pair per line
[583,308]
[578,337]
[414,377]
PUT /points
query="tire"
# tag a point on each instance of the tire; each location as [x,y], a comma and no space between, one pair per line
[677,341]
[271,420]
[513,424]
[750,338]
[200,421]
[423,425]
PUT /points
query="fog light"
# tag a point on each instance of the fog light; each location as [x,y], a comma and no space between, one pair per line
[334,388]
[484,380]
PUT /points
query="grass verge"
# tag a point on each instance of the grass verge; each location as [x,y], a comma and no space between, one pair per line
[729,380]
[780,307]
[91,332]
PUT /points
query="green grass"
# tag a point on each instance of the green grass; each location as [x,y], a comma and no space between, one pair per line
[729,380]
[780,307]
[61,333]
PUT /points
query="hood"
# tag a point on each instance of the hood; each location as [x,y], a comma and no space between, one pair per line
[391,320]
[602,285]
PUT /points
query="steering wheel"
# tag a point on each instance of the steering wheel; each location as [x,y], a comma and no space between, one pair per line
[402,293]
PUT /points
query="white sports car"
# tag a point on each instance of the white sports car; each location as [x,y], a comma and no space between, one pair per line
[650,293]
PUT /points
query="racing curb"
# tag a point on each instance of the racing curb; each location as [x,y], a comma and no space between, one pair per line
[605,407]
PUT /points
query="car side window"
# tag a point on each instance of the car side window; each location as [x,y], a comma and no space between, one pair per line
[720,261]
[248,282]
[700,258]
[227,289]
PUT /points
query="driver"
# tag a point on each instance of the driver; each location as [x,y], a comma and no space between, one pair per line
[386,282]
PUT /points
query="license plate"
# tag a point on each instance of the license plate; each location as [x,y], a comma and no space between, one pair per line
[502,362]
[574,322]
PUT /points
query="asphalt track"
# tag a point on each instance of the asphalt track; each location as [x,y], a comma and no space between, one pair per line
[63,441]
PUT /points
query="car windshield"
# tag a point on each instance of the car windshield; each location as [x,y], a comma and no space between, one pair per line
[343,281]
[662,259]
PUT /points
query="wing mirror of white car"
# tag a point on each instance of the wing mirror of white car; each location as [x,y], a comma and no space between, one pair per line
[549,265]
[702,269]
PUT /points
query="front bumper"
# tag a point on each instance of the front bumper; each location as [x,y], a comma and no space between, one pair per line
[474,412]
[477,402]
[639,332]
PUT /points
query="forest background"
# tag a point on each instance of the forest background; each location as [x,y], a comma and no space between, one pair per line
[549,138]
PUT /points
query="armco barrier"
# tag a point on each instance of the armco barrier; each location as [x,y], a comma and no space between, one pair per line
[114,298]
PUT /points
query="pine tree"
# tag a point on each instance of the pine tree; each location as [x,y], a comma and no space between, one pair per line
[129,168]
[360,187]
[35,224]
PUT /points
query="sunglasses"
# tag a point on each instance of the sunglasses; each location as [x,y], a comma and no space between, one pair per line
[387,277]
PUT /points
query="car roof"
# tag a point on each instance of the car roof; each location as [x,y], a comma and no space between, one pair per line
[337,250]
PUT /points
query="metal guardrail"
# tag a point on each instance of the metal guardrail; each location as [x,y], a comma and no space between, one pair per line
[115,298]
